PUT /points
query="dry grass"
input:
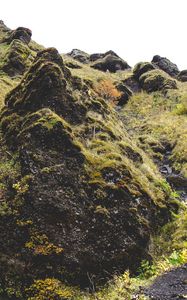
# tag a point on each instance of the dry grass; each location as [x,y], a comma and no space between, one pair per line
[156,116]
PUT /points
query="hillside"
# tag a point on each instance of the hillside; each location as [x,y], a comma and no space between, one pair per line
[93,171]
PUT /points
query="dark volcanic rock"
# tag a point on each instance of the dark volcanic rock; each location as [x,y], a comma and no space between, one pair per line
[110,63]
[3,27]
[79,55]
[21,33]
[166,65]
[96,56]
[132,83]
[182,76]
[77,209]
[155,80]
[142,68]
[17,58]
[126,93]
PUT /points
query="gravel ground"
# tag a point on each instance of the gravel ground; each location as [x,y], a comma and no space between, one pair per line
[170,286]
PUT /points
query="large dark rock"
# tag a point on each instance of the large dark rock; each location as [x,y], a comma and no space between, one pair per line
[79,209]
[79,55]
[126,93]
[110,63]
[166,65]
[182,76]
[21,33]
[156,80]
[142,68]
[3,27]
[96,56]
[132,83]
[17,58]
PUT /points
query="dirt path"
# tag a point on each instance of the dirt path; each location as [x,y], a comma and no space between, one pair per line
[170,286]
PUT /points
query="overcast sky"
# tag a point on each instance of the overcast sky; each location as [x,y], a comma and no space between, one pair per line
[135,29]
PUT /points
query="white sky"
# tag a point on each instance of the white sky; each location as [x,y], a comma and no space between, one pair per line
[135,29]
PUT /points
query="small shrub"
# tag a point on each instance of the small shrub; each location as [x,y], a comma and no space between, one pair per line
[107,90]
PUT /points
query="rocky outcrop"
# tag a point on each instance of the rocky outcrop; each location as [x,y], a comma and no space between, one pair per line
[110,63]
[96,56]
[142,68]
[152,79]
[132,83]
[3,27]
[155,80]
[21,33]
[17,58]
[79,55]
[126,93]
[166,65]
[85,203]
[182,76]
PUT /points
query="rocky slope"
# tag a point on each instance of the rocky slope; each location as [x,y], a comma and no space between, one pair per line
[81,192]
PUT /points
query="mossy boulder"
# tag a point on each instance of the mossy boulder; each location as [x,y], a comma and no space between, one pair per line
[182,76]
[142,68]
[3,28]
[21,33]
[95,56]
[87,198]
[166,65]
[132,83]
[156,80]
[79,55]
[110,63]
[126,93]
[17,59]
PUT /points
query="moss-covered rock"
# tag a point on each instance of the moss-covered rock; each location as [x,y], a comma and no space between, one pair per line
[142,68]
[79,55]
[17,59]
[126,93]
[182,76]
[156,80]
[110,62]
[87,198]
[21,33]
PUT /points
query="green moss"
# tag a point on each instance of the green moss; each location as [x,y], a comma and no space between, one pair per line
[17,58]
[156,80]
[49,288]
[142,68]
[45,118]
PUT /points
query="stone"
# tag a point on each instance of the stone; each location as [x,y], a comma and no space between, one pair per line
[96,56]
[126,93]
[166,65]
[79,55]
[182,76]
[156,80]
[132,83]
[110,63]
[21,33]
[142,68]
[17,58]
